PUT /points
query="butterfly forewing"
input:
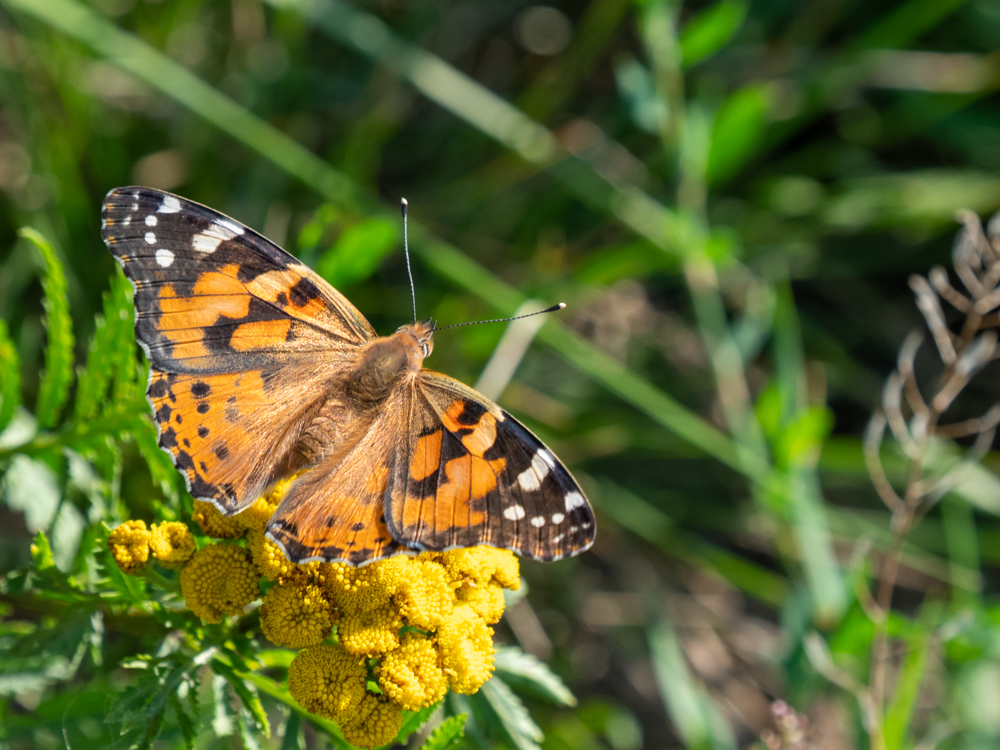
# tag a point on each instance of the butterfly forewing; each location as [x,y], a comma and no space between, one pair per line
[472,474]
[212,295]
[231,324]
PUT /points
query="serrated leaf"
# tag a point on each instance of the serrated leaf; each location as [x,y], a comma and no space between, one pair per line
[111,347]
[185,721]
[53,389]
[247,695]
[152,729]
[446,736]
[10,377]
[413,722]
[512,714]
[161,470]
[524,670]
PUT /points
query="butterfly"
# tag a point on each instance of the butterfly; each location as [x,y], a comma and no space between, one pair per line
[260,370]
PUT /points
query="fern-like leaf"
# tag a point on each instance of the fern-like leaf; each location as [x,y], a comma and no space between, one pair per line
[53,389]
[525,671]
[446,736]
[512,715]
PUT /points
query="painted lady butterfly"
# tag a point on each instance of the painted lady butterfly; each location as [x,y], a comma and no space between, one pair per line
[259,369]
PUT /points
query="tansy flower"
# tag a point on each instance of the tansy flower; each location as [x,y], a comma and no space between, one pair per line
[411,675]
[486,601]
[365,588]
[172,543]
[258,514]
[376,723]
[369,633]
[426,597]
[466,646]
[214,524]
[328,682]
[129,546]
[272,563]
[219,580]
[480,565]
[296,615]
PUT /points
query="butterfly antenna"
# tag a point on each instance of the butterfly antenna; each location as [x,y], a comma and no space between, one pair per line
[406,251]
[554,308]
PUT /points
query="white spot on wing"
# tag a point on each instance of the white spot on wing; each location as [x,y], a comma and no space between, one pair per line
[514,513]
[574,500]
[164,257]
[538,521]
[150,238]
[170,205]
[151,221]
[531,478]
[127,220]
[558,518]
[546,457]
[220,231]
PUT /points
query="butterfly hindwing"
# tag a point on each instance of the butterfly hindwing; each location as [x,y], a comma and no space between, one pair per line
[472,474]
[335,512]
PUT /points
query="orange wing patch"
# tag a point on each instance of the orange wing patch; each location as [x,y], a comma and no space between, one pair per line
[204,430]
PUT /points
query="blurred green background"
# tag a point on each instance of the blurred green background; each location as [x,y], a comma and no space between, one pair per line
[729,196]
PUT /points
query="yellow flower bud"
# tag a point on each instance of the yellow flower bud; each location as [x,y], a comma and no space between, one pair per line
[365,588]
[377,723]
[219,580]
[486,601]
[426,597]
[411,675]
[129,546]
[296,615]
[257,515]
[369,633]
[466,646]
[172,544]
[273,564]
[328,682]
[483,564]
[214,524]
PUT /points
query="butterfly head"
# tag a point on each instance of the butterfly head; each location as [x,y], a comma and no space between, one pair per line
[421,334]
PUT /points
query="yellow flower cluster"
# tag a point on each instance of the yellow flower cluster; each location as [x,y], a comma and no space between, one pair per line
[417,626]
[171,544]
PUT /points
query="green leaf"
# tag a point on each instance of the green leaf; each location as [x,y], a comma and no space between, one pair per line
[10,377]
[413,722]
[709,31]
[110,355]
[447,735]
[41,553]
[513,716]
[689,707]
[53,390]
[290,735]
[524,670]
[247,695]
[738,128]
[189,730]
[357,253]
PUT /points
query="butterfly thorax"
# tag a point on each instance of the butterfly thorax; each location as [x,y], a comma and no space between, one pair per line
[383,362]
